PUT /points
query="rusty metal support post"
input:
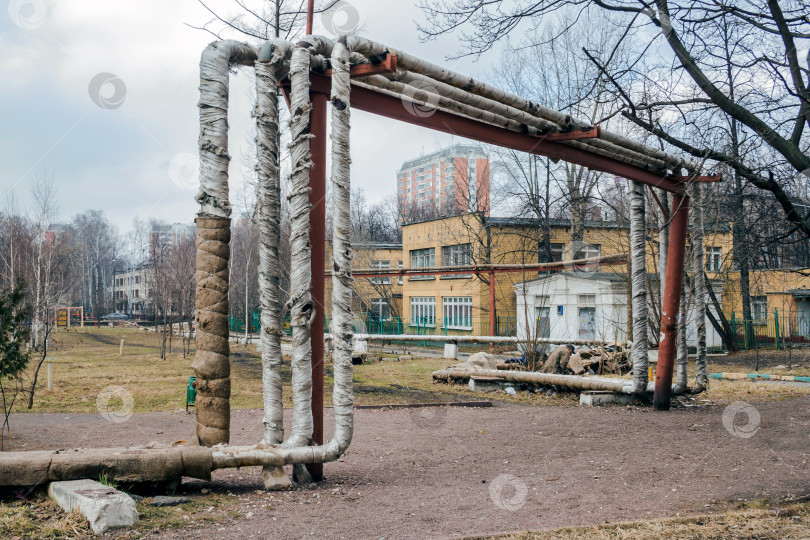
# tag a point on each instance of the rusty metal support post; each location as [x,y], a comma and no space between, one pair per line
[671,302]
[317,231]
[310,16]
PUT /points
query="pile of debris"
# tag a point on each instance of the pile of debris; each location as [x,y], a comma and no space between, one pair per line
[609,359]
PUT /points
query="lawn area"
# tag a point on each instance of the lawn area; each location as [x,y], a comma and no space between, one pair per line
[86,361]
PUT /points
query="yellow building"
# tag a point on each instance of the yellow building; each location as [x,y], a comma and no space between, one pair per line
[459,303]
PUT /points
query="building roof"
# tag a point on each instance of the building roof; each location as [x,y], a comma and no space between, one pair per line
[458,150]
[377,245]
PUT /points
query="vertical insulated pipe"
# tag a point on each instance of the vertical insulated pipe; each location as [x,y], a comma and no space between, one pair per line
[268,213]
[211,360]
[671,302]
[300,301]
[699,277]
[638,271]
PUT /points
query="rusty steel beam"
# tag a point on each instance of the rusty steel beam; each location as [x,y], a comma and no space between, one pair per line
[317,226]
[671,303]
[591,133]
[384,105]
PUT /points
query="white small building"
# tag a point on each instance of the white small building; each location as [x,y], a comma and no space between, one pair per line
[565,306]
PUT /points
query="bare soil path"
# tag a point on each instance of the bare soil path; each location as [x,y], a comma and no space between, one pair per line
[436,472]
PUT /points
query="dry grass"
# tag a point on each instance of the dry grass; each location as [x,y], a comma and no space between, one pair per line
[39,517]
[86,361]
[755,520]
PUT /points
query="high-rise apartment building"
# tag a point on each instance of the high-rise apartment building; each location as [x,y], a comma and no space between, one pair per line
[448,182]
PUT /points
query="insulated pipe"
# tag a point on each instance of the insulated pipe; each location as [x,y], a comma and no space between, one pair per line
[211,360]
[468,339]
[419,87]
[473,107]
[671,301]
[638,269]
[268,210]
[699,277]
[412,63]
[300,301]
[619,386]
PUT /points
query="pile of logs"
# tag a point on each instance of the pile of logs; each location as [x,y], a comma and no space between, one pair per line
[602,360]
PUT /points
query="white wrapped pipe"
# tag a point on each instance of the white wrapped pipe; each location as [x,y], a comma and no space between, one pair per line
[423,89]
[638,269]
[215,62]
[341,329]
[470,339]
[300,301]
[699,278]
[268,211]
[468,84]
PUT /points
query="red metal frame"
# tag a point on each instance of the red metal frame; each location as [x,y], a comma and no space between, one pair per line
[388,65]
[548,145]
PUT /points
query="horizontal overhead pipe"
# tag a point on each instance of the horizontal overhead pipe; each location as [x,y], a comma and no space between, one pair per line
[444,75]
[419,88]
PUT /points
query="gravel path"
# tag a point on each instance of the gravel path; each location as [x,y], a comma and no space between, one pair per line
[438,473]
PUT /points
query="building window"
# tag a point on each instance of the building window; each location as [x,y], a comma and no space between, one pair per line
[759,307]
[557,252]
[137,279]
[423,311]
[399,265]
[457,312]
[380,310]
[714,259]
[587,251]
[137,291]
[586,299]
[382,280]
[423,258]
[458,255]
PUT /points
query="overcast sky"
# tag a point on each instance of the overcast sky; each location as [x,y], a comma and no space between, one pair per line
[129,148]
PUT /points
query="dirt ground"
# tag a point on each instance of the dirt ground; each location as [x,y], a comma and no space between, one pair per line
[449,472]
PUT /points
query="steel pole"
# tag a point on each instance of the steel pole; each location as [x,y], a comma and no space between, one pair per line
[317,232]
[671,302]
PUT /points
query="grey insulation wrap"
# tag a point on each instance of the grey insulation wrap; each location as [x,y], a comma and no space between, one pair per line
[638,270]
[268,210]
[215,62]
[341,330]
[300,301]
[154,463]
[471,339]
[699,279]
[619,386]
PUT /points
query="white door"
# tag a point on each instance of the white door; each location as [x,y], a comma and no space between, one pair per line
[587,323]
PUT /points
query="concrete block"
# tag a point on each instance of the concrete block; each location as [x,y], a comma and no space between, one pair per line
[596,398]
[487,384]
[276,478]
[104,507]
[451,350]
